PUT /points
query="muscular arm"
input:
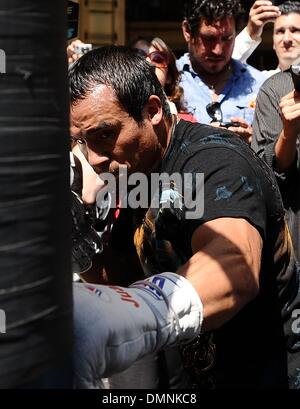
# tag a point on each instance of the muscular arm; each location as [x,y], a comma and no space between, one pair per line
[219,279]
[225,267]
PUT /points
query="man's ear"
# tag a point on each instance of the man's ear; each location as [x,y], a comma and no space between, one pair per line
[186,31]
[154,109]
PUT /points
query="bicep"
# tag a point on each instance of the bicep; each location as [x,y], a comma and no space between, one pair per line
[224,268]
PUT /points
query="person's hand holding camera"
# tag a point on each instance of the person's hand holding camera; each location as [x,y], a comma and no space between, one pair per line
[76,49]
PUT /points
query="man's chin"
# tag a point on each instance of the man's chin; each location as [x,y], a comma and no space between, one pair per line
[215,67]
[290,57]
[294,60]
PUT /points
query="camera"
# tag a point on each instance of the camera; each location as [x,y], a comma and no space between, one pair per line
[295,71]
[229,124]
[82,49]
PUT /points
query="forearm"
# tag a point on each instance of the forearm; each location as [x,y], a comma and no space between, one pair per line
[285,148]
[244,46]
[285,151]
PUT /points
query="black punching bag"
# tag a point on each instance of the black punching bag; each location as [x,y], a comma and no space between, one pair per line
[35,272]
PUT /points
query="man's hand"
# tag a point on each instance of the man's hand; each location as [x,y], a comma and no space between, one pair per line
[290,112]
[261,13]
[92,183]
[244,130]
[72,55]
[286,145]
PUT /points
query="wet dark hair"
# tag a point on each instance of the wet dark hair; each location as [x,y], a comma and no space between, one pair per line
[129,75]
[211,10]
[289,7]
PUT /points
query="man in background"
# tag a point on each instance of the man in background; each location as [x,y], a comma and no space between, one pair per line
[217,88]
[276,123]
[286,33]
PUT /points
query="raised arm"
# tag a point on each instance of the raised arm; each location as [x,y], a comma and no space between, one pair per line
[286,145]
[261,13]
[276,122]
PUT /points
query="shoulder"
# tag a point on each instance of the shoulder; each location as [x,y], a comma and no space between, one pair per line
[197,139]
[278,78]
[182,61]
[269,73]
[278,84]
[207,146]
[246,70]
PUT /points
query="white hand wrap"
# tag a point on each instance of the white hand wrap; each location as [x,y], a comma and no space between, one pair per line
[115,326]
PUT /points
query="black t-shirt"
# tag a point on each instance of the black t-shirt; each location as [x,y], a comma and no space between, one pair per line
[251,349]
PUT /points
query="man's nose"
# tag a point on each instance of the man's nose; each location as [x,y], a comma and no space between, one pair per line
[287,38]
[217,48]
[96,159]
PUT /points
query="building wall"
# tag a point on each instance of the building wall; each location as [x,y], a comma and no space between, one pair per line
[102,21]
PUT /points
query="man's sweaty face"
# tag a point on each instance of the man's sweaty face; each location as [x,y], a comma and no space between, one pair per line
[212,47]
[110,136]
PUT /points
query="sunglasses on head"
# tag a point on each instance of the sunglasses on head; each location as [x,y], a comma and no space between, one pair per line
[159,59]
[214,111]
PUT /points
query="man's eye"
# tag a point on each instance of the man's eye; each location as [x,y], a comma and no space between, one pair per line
[227,38]
[208,38]
[106,135]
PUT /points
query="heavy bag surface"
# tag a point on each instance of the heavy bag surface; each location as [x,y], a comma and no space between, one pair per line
[35,272]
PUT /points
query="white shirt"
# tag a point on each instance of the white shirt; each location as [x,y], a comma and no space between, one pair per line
[244,47]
